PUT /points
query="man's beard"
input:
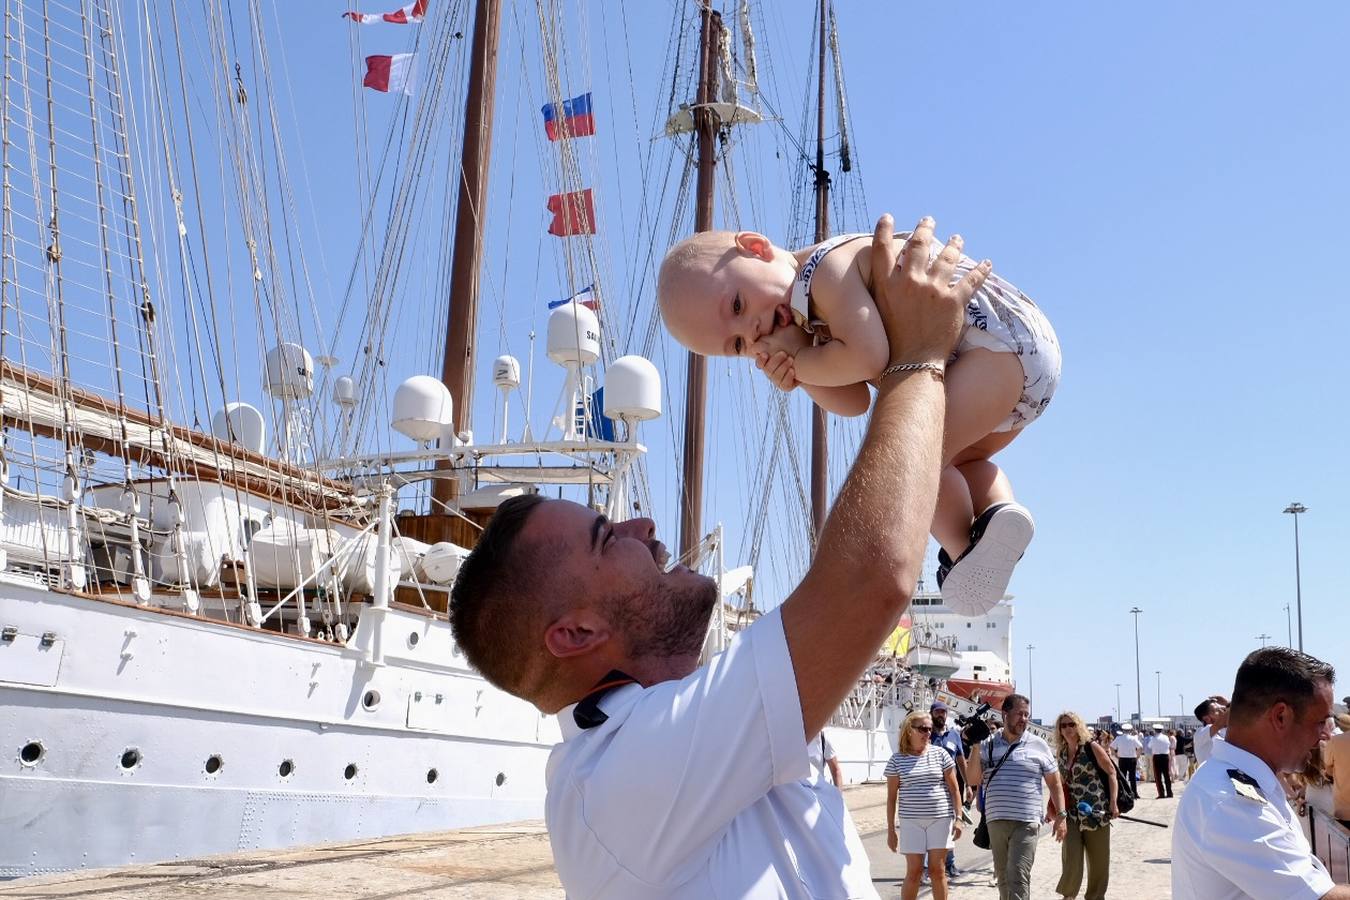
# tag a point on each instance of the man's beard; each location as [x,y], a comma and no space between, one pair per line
[663,621]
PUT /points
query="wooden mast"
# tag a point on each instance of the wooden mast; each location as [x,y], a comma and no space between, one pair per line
[696,391]
[470,214]
[820,451]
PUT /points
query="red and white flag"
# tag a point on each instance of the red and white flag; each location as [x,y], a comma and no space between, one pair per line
[411,14]
[573,213]
[395,74]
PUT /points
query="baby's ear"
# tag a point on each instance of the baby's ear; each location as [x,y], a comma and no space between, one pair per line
[756,244]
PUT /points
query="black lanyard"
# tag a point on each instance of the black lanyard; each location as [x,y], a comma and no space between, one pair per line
[587,713]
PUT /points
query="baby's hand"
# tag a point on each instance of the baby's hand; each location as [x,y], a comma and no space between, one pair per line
[778,367]
[789,339]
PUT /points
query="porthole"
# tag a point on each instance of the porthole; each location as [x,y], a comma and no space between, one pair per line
[32,752]
[371,699]
[286,769]
[432,775]
[214,763]
[350,772]
[501,779]
[131,758]
[413,638]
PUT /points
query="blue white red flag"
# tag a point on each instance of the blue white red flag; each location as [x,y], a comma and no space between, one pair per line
[571,118]
[586,297]
[411,14]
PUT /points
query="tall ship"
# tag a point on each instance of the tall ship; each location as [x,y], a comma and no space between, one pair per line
[237,489]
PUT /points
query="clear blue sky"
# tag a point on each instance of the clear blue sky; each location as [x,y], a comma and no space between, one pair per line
[1167,180]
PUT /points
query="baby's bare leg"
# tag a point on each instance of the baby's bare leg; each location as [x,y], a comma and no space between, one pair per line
[983,386]
[987,483]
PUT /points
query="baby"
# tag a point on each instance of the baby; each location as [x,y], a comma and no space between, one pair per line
[807,318]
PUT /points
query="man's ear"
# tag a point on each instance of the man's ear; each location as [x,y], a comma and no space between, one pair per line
[576,633]
[755,244]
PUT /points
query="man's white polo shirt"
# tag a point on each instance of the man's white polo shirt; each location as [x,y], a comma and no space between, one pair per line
[700,788]
[1237,837]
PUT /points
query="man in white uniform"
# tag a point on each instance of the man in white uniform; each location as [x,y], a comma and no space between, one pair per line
[675,781]
[1235,834]
[1213,711]
[1127,748]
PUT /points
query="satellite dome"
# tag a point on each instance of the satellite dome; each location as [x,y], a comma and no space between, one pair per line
[632,389]
[241,424]
[573,335]
[423,408]
[289,372]
[344,392]
[506,372]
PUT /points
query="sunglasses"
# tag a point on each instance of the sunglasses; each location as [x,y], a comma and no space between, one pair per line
[926,729]
[1063,725]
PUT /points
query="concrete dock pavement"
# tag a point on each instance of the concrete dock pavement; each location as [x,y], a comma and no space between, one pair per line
[514,861]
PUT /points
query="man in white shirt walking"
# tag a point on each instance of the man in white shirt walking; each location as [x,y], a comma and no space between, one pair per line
[1235,834]
[680,781]
[1127,748]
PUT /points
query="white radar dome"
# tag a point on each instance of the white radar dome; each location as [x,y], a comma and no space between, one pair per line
[289,372]
[573,335]
[422,408]
[506,372]
[344,392]
[632,389]
[241,424]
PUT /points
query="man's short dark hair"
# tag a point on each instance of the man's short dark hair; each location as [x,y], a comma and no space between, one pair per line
[1204,708]
[1010,702]
[1277,675]
[492,612]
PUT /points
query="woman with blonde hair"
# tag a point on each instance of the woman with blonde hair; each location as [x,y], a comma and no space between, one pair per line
[922,777]
[1089,776]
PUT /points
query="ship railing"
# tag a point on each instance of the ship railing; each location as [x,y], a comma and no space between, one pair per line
[1330,843]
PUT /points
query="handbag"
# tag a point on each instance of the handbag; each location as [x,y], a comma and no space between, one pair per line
[981,837]
[1125,795]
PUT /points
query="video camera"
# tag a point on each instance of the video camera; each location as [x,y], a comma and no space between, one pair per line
[978,725]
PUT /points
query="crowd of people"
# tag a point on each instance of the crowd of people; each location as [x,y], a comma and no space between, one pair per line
[1019,783]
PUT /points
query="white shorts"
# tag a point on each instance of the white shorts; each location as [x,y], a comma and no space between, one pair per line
[922,835]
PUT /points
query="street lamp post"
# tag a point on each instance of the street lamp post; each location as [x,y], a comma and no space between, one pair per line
[1117,701]
[1263,637]
[1182,698]
[1138,684]
[1294,509]
[1288,624]
[1158,672]
[1031,678]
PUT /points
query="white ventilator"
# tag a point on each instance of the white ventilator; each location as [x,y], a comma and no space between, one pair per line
[574,344]
[506,376]
[239,423]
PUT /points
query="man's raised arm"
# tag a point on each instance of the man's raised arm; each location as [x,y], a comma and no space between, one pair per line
[872,545]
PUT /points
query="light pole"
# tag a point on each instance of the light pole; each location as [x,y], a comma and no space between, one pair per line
[1138,689]
[1031,679]
[1288,623]
[1158,672]
[1294,509]
[1182,698]
[1263,637]
[1117,701]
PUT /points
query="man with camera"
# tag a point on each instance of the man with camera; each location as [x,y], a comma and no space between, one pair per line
[1012,765]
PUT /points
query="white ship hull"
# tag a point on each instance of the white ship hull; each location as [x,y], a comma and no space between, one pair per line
[119,684]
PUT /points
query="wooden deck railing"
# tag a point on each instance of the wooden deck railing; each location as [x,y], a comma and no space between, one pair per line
[1331,844]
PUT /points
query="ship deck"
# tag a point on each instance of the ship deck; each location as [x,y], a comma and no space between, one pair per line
[514,861]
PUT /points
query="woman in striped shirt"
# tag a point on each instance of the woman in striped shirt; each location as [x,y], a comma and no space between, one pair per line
[922,777]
